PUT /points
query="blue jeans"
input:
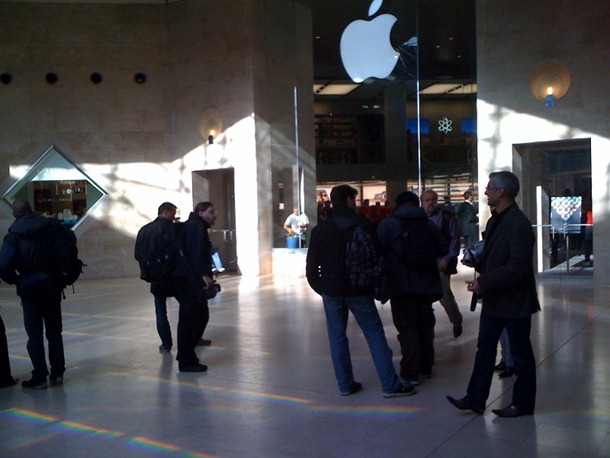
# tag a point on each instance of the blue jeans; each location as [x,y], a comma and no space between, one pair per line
[163,328]
[364,310]
[518,330]
[43,317]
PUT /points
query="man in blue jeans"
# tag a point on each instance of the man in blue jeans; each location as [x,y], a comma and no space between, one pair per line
[29,260]
[327,275]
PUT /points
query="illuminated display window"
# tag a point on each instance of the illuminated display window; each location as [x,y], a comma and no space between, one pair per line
[56,187]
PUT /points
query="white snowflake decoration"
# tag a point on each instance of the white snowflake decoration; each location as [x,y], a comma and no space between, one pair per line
[444,125]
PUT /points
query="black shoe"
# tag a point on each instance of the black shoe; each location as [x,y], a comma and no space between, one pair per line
[35,384]
[508,372]
[10,382]
[500,367]
[164,349]
[56,381]
[457,330]
[204,343]
[464,404]
[403,390]
[511,412]
[356,386]
[196,367]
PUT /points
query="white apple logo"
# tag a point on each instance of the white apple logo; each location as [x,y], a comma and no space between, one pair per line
[366,50]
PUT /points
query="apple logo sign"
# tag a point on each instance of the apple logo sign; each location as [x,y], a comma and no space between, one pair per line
[366,50]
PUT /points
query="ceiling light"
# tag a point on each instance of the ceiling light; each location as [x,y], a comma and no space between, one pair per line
[333,89]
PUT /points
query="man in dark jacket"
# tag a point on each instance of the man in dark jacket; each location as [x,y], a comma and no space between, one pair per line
[162,229]
[468,220]
[29,260]
[190,281]
[507,287]
[327,275]
[412,291]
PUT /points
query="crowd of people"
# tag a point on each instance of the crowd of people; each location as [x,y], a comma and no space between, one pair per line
[406,258]
[505,285]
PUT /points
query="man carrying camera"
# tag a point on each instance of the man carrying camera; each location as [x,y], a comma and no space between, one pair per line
[507,287]
[194,284]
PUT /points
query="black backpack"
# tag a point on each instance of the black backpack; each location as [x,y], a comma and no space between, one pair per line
[361,260]
[70,266]
[52,250]
[157,251]
[420,245]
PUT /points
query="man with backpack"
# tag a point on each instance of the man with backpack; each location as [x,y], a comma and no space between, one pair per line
[447,224]
[341,267]
[161,231]
[30,259]
[410,245]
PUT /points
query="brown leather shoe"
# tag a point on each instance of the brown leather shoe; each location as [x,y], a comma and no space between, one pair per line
[464,404]
[511,412]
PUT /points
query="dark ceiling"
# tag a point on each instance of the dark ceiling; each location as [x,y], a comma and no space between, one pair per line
[447,39]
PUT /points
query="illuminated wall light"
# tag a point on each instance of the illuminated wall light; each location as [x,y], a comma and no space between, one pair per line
[549,82]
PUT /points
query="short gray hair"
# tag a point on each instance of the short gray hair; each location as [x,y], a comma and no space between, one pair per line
[507,180]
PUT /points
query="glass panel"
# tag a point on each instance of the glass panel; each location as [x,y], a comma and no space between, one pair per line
[56,187]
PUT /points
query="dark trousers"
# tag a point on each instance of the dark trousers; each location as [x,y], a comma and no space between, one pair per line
[518,330]
[193,318]
[414,320]
[5,364]
[42,316]
[163,327]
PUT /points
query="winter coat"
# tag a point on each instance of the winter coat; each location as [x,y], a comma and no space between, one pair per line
[29,258]
[397,279]
[506,280]
[325,269]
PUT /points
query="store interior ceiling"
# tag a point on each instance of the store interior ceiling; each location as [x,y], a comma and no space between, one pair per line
[446,38]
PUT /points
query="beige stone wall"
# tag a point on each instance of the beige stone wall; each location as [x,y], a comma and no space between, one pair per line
[142,143]
[513,37]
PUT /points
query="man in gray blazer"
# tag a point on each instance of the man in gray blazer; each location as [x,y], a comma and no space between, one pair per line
[507,287]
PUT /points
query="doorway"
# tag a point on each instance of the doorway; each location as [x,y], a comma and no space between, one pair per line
[561,208]
[218,186]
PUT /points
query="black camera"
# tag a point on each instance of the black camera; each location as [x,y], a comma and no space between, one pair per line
[211,291]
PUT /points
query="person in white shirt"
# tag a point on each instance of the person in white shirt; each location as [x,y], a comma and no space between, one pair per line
[296,225]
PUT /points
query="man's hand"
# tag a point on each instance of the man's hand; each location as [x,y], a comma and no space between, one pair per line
[207,280]
[473,286]
[442,265]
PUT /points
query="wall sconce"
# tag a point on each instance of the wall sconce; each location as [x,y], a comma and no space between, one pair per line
[209,126]
[549,82]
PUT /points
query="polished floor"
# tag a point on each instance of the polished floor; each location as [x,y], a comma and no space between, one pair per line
[270,389]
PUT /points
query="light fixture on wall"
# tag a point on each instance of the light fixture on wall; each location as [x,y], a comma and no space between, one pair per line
[210,126]
[549,82]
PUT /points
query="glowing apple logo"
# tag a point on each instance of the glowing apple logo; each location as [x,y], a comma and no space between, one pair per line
[366,50]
